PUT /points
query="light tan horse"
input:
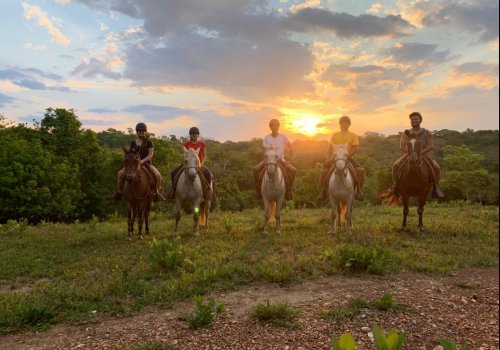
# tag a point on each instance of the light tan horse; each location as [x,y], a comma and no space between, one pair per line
[189,193]
[341,190]
[272,188]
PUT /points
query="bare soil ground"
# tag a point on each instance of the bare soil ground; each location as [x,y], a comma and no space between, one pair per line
[461,306]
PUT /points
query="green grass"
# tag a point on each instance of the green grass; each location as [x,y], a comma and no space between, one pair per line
[77,273]
[278,314]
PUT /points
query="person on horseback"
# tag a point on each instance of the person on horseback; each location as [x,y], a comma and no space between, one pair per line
[195,144]
[425,137]
[146,150]
[344,136]
[281,142]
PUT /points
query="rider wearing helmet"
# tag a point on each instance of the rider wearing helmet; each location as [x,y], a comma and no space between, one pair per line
[146,149]
[344,136]
[195,144]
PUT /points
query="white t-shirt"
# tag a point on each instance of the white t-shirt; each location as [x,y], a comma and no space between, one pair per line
[279,142]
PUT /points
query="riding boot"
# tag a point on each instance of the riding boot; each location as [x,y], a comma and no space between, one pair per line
[171,193]
[288,195]
[322,196]
[158,197]
[359,194]
[117,195]
[394,190]
[258,194]
[436,191]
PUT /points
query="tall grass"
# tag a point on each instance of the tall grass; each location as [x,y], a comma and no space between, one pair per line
[54,273]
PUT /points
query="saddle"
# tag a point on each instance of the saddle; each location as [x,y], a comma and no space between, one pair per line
[207,193]
[282,166]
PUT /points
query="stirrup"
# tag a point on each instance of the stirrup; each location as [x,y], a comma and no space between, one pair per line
[158,197]
[359,196]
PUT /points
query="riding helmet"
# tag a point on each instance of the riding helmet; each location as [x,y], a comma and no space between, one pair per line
[141,127]
[194,131]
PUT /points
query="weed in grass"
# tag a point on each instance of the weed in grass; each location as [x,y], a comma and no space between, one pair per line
[356,307]
[278,314]
[204,313]
[168,254]
[385,303]
[365,259]
[147,346]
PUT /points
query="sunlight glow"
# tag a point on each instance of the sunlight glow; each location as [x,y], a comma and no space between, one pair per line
[308,124]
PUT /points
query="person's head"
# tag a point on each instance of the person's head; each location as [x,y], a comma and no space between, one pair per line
[141,129]
[194,133]
[415,119]
[274,124]
[345,123]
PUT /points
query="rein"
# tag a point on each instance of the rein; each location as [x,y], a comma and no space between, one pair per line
[341,178]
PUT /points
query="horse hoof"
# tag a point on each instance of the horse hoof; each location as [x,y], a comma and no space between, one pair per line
[278,232]
[139,237]
[129,238]
[421,229]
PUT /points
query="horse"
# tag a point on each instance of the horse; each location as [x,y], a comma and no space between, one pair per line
[272,188]
[341,190]
[137,192]
[189,192]
[415,181]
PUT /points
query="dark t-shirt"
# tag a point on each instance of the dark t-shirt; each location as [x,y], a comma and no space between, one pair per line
[144,150]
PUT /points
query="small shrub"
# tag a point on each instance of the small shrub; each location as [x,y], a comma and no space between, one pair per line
[168,254]
[204,313]
[385,303]
[339,313]
[391,341]
[358,258]
[279,314]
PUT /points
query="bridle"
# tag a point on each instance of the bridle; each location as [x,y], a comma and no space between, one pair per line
[414,157]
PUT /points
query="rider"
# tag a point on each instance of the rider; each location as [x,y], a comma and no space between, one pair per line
[344,136]
[426,146]
[281,142]
[146,150]
[194,144]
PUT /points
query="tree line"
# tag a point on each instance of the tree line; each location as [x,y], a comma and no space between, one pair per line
[55,170]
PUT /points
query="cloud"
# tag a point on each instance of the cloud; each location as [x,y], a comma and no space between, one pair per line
[30,78]
[478,17]
[416,52]
[31,12]
[313,20]
[101,110]
[93,67]
[5,100]
[157,113]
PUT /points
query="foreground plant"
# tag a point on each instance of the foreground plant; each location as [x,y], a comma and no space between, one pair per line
[451,345]
[278,314]
[204,313]
[391,341]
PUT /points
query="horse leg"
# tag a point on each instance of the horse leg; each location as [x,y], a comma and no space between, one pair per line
[267,207]
[420,211]
[207,212]
[277,216]
[333,226]
[348,214]
[196,225]
[146,216]
[177,215]
[406,200]
[140,221]
[130,223]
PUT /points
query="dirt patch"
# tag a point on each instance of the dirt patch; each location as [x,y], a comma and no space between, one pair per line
[463,306]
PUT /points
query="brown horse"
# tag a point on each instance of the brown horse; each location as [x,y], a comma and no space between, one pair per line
[137,192]
[415,181]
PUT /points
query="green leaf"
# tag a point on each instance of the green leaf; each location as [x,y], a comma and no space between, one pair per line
[347,342]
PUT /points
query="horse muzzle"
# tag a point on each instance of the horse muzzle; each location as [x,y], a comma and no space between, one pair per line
[191,173]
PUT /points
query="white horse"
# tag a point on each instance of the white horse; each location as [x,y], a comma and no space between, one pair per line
[189,192]
[341,190]
[272,188]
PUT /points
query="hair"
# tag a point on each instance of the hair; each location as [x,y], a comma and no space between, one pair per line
[415,113]
[345,118]
[274,121]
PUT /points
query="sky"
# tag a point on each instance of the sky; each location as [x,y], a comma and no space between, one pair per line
[229,66]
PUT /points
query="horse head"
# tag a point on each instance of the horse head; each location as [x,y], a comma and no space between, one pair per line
[132,164]
[340,155]
[271,158]
[191,162]
[413,150]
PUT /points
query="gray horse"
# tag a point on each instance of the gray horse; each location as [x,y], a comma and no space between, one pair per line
[341,190]
[273,188]
[189,192]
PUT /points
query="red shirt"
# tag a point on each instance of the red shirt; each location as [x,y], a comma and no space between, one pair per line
[198,145]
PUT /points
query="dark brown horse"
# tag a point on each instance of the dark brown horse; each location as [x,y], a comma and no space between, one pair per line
[415,180]
[137,192]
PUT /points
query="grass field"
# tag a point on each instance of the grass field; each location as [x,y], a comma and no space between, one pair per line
[81,272]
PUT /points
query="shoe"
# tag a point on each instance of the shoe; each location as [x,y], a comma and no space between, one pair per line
[437,193]
[117,196]
[322,196]
[359,196]
[158,197]
[288,196]
[393,191]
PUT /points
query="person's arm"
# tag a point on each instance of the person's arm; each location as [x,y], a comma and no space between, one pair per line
[353,151]
[203,155]
[402,143]
[429,144]
[288,145]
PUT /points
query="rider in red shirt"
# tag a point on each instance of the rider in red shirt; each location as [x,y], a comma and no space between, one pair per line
[194,144]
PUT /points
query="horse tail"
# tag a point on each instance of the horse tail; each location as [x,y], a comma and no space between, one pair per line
[341,210]
[272,211]
[202,217]
[389,198]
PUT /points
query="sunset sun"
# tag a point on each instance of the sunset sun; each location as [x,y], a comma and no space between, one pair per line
[305,123]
